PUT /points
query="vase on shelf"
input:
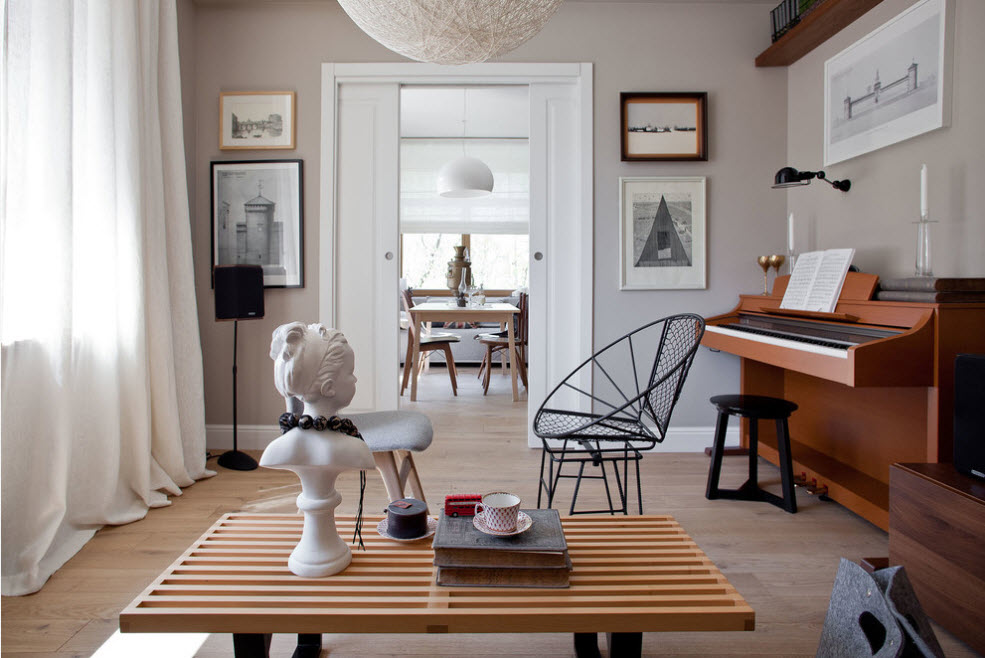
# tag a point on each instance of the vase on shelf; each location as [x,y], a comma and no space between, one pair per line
[923,265]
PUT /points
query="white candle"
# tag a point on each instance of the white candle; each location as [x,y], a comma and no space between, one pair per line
[790,233]
[923,191]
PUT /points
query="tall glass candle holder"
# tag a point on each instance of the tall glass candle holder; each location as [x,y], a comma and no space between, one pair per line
[924,266]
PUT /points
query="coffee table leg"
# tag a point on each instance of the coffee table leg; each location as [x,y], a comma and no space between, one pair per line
[629,645]
[309,645]
[587,645]
[251,645]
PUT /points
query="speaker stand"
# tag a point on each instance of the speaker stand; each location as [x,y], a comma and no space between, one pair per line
[234,459]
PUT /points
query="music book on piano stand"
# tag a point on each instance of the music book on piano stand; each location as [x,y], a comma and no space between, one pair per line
[816,281]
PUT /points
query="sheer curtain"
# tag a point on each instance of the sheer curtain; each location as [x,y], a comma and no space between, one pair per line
[102,393]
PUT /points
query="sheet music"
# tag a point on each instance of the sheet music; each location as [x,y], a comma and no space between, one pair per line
[817,279]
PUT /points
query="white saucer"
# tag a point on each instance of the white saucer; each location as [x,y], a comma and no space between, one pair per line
[523,523]
[382,528]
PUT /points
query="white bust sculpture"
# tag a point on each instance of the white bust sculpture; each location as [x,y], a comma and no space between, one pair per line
[315,365]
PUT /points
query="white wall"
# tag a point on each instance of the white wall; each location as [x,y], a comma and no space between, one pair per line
[633,46]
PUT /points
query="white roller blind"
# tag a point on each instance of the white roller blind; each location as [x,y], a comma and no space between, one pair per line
[505,211]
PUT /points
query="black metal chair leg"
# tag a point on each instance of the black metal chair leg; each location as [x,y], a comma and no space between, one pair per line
[540,486]
[786,465]
[574,497]
[639,486]
[605,481]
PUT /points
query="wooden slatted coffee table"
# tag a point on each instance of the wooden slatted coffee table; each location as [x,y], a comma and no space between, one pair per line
[630,574]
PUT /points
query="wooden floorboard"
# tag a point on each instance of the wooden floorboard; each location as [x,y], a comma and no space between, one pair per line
[782,564]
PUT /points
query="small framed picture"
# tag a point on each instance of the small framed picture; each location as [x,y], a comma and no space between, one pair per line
[257,218]
[664,125]
[256,120]
[662,233]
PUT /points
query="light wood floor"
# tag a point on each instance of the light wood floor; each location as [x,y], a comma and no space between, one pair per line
[783,564]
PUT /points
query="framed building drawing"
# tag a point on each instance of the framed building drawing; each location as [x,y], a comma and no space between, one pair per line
[257,218]
[256,120]
[890,85]
[664,125]
[662,233]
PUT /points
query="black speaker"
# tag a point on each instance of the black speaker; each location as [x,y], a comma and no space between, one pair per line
[969,414]
[238,292]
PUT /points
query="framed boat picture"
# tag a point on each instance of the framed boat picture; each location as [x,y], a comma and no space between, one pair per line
[664,125]
[662,233]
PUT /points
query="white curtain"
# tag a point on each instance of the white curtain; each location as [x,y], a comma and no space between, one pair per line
[102,393]
[506,210]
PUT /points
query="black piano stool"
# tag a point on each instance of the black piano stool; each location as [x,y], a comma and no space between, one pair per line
[755,408]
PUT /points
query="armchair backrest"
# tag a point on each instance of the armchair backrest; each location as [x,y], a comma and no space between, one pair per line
[679,343]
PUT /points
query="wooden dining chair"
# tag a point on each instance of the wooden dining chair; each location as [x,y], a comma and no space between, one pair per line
[429,343]
[499,343]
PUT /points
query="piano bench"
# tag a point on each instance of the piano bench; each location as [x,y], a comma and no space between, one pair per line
[755,408]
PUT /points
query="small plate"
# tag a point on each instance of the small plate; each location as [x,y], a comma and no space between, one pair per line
[382,528]
[523,523]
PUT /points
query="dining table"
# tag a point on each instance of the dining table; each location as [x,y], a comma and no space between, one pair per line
[430,312]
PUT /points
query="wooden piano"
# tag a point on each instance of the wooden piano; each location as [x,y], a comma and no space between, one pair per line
[874,382]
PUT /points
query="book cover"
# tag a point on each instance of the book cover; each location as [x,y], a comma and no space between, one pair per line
[479,557]
[502,577]
[929,296]
[544,535]
[933,284]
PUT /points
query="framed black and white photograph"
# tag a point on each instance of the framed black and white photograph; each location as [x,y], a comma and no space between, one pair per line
[888,86]
[662,233]
[257,218]
[664,125]
[256,120]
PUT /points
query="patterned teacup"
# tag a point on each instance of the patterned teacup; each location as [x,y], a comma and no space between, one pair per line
[499,511]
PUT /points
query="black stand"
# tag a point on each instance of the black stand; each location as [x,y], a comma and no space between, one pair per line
[234,459]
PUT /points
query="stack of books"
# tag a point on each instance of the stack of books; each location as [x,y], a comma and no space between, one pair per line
[537,557]
[932,289]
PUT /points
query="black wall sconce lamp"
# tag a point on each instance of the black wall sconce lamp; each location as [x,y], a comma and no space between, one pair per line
[788,177]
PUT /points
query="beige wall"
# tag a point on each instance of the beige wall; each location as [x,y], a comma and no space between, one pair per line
[875,216]
[634,47]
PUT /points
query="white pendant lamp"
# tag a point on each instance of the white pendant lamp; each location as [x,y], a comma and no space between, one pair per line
[450,31]
[464,178]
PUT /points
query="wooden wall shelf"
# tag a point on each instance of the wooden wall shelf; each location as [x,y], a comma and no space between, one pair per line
[815,28]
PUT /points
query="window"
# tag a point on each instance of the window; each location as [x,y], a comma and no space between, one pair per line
[495,228]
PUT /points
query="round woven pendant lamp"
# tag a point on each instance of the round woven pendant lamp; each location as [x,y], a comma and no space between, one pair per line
[450,31]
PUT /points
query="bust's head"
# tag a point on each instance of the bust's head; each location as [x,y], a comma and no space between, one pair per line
[315,364]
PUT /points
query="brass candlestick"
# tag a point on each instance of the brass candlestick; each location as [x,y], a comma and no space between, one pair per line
[764,262]
[776,262]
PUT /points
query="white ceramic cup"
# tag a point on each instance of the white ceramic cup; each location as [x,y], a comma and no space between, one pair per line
[499,511]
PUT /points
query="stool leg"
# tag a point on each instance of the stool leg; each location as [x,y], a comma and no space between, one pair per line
[408,475]
[786,465]
[717,449]
[753,482]
[386,464]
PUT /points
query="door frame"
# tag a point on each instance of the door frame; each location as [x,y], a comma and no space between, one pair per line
[579,226]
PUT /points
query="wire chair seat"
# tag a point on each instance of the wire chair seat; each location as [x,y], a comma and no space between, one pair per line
[615,405]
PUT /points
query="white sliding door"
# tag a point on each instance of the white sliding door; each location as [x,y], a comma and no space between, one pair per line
[359,206]
[366,237]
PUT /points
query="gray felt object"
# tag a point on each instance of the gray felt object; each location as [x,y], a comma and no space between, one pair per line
[875,615]
[394,430]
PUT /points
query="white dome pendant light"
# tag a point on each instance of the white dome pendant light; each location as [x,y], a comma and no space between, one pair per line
[464,177]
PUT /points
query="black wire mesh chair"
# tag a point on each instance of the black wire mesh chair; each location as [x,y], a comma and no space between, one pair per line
[614,406]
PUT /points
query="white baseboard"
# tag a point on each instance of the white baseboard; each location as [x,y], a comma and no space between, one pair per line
[257,437]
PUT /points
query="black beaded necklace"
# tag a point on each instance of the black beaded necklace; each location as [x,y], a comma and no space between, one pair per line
[289,421]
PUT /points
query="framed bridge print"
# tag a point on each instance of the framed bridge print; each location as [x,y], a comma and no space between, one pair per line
[257,218]
[889,86]
[663,125]
[256,120]
[662,233]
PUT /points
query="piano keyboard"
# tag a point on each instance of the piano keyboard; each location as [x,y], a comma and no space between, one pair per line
[833,348]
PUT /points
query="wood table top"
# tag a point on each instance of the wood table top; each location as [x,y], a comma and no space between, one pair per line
[629,574]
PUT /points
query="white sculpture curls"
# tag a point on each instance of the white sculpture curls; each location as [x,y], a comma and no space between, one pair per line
[315,365]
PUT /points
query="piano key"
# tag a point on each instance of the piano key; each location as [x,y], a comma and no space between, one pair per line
[803,344]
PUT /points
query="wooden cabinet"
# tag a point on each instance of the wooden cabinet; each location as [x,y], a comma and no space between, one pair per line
[937,531]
